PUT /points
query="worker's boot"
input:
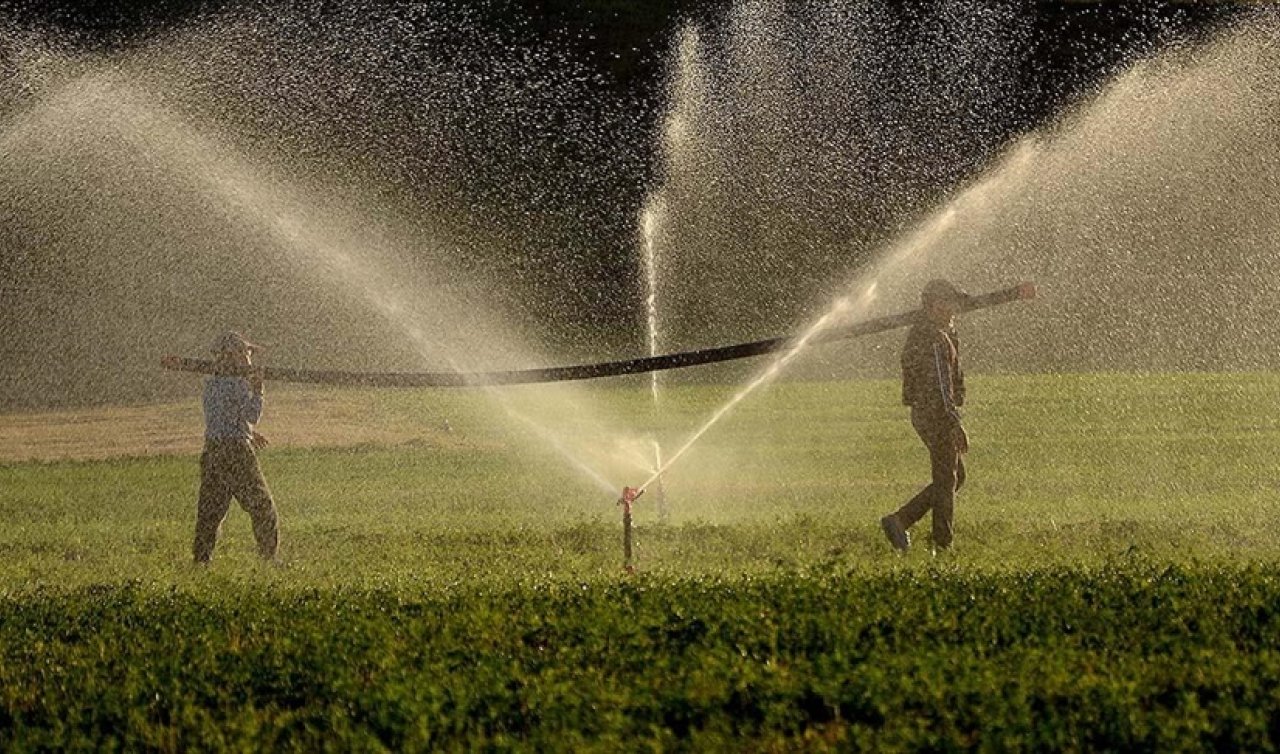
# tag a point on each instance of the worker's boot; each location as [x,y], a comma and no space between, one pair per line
[895,533]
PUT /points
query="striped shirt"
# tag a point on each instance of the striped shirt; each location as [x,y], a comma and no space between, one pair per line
[931,375]
[230,408]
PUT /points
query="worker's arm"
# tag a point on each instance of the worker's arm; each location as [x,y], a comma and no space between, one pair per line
[942,365]
[253,408]
[946,377]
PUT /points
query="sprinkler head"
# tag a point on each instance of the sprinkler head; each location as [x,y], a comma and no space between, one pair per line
[629,495]
[1026,291]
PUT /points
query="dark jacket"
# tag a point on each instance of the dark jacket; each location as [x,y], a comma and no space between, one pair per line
[931,377]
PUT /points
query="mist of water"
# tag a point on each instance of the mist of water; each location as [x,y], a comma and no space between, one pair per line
[795,144]
[1143,215]
[901,259]
[97,118]
[422,129]
[797,140]
[650,219]
[840,309]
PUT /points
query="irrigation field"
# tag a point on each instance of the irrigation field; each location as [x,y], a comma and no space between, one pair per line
[1115,581]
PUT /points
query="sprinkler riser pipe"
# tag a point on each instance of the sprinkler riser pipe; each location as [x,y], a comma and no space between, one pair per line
[627,539]
[629,495]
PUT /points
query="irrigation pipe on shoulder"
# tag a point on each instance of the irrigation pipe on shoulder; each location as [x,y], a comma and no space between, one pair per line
[593,371]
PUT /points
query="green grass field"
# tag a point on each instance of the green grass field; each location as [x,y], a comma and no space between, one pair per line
[1114,583]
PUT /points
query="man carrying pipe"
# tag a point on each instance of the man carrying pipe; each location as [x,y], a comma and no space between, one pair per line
[229,465]
[933,386]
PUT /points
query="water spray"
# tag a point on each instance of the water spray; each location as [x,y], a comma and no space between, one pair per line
[815,334]
[659,490]
[1021,292]
[649,224]
[792,346]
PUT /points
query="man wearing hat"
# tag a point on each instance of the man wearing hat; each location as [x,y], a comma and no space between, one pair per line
[229,466]
[933,386]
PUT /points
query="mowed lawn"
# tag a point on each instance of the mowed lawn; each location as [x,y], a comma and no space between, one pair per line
[439,486]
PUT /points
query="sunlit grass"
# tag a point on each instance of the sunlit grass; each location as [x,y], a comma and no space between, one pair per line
[1065,469]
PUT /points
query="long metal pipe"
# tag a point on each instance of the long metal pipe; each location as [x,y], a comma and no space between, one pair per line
[602,369]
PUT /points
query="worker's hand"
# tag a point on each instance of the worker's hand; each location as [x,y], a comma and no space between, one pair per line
[255,381]
[961,438]
[258,441]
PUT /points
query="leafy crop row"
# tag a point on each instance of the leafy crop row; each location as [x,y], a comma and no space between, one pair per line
[1135,658]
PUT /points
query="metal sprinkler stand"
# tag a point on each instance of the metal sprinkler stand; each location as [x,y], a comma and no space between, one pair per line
[629,495]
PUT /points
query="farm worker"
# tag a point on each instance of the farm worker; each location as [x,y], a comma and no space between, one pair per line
[933,386]
[229,466]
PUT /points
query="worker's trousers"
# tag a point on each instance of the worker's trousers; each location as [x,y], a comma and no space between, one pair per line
[947,462]
[229,468]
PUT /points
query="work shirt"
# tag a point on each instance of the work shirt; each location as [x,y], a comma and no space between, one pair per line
[230,408]
[931,376]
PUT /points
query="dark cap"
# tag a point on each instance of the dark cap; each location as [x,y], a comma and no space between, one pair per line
[943,292]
